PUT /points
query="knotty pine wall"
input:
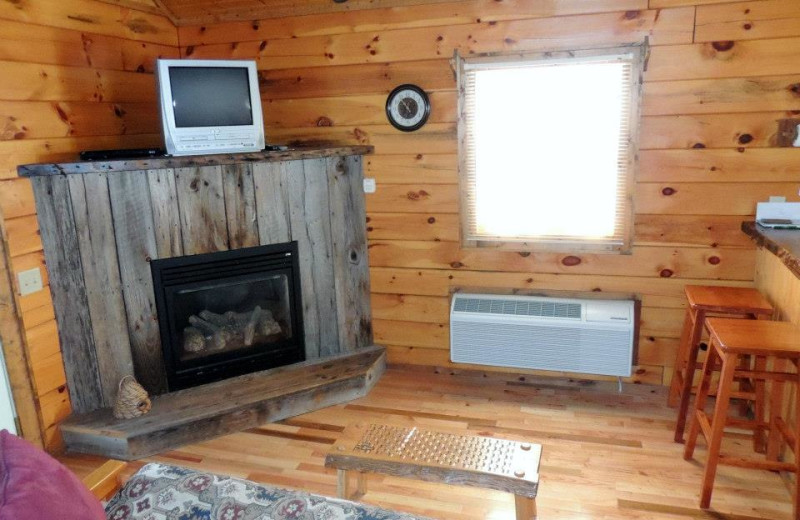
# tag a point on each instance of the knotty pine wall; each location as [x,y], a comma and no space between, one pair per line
[77,75]
[720,74]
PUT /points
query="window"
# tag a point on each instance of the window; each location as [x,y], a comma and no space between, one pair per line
[547,149]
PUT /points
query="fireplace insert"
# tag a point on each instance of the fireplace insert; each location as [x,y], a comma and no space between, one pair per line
[228,313]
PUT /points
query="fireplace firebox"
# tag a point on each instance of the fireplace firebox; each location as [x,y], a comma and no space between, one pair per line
[228,313]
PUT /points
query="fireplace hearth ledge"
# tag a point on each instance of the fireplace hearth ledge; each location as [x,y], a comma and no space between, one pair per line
[228,406]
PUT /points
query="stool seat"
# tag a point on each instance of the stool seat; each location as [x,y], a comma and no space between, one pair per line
[757,338]
[727,300]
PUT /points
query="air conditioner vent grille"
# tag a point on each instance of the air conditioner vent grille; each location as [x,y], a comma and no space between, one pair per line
[543,309]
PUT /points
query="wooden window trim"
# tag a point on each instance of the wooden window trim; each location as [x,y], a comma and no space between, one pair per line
[640,53]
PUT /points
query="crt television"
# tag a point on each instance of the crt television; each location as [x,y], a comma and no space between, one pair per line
[210,106]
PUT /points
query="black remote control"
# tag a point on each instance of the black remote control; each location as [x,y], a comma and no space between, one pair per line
[120,153]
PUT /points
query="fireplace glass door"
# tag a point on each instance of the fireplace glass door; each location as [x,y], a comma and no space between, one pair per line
[228,313]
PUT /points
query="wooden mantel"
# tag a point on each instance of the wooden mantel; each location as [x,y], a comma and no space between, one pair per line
[188,161]
[103,222]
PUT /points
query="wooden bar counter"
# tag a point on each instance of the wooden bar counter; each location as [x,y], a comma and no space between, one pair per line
[778,268]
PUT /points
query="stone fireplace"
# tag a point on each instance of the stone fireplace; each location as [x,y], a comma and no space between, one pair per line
[228,313]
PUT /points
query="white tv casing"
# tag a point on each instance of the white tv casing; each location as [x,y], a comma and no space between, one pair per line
[209,139]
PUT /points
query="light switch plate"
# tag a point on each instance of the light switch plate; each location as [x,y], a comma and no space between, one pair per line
[30,281]
[369,185]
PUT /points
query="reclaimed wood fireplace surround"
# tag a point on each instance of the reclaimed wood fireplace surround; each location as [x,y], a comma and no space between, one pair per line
[103,222]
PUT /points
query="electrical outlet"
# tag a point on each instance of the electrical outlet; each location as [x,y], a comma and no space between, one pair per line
[797,141]
[369,185]
[29,281]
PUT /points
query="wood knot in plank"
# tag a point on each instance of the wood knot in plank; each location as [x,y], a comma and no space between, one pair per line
[141,26]
[714,260]
[417,195]
[666,273]
[668,191]
[571,261]
[723,46]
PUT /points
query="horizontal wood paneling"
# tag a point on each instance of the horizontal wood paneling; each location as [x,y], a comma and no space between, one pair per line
[708,145]
[427,43]
[93,17]
[80,77]
[748,20]
[398,15]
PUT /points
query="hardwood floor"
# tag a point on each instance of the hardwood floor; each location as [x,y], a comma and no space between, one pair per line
[606,455]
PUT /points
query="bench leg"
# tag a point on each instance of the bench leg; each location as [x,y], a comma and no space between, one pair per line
[526,507]
[343,483]
[361,484]
[344,487]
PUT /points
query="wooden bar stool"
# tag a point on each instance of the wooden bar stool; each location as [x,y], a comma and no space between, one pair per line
[731,339]
[705,301]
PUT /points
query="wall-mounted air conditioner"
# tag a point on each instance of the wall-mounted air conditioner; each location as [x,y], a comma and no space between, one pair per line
[561,334]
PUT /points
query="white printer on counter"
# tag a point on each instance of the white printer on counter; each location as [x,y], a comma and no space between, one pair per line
[778,215]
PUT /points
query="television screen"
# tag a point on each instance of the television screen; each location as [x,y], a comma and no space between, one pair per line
[210,96]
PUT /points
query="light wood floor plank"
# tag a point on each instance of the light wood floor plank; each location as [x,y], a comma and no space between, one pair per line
[606,455]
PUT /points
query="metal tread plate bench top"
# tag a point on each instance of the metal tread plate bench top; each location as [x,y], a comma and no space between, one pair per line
[437,456]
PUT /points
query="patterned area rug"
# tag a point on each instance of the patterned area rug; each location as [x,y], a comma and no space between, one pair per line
[160,492]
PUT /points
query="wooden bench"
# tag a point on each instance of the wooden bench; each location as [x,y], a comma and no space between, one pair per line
[450,458]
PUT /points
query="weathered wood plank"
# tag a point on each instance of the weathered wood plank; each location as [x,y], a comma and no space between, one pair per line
[240,205]
[166,217]
[272,199]
[196,414]
[202,208]
[67,284]
[350,261]
[92,210]
[136,246]
[309,213]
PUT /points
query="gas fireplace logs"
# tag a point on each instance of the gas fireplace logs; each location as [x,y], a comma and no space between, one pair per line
[214,332]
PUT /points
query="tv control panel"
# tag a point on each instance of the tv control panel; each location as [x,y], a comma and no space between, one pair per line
[217,141]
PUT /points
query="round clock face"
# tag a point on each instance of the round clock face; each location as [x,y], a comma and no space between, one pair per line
[408,107]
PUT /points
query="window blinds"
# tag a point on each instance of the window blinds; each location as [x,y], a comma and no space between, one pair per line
[548,148]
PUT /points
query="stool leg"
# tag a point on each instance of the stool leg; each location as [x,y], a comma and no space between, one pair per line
[680,362]
[700,402]
[796,449]
[686,389]
[775,439]
[718,427]
[759,440]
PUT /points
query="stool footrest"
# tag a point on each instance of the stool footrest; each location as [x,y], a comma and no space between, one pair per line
[747,424]
[742,462]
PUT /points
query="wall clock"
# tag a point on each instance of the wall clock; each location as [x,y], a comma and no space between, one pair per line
[408,107]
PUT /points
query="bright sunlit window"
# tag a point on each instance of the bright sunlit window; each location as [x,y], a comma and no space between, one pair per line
[548,149]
